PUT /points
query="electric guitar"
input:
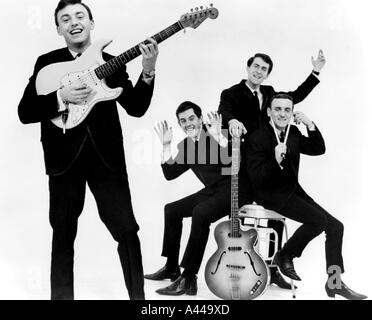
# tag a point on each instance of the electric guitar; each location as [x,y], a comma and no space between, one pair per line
[236,271]
[91,69]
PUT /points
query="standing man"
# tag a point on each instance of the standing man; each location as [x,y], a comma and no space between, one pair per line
[243,108]
[91,153]
[273,170]
[205,152]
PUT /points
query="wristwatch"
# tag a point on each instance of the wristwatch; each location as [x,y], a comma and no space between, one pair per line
[148,74]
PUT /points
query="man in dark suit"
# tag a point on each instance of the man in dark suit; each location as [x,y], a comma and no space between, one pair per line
[205,152]
[273,170]
[91,152]
[243,108]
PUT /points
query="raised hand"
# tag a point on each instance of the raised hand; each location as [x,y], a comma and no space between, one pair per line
[319,63]
[299,117]
[164,132]
[214,123]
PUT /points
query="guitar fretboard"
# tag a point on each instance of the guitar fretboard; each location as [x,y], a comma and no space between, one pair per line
[118,62]
[235,227]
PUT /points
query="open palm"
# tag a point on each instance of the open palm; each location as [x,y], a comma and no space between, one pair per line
[164,132]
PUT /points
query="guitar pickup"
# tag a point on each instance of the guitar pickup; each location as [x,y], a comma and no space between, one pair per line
[230,266]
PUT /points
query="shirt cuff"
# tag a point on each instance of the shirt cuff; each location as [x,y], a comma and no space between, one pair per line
[316,74]
[312,127]
[165,155]
[61,104]
[222,141]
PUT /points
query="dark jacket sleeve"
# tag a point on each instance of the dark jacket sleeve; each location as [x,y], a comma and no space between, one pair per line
[261,166]
[304,89]
[313,145]
[134,99]
[174,167]
[33,107]
[226,107]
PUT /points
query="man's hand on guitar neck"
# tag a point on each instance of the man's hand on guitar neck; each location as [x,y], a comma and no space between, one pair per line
[75,93]
[150,53]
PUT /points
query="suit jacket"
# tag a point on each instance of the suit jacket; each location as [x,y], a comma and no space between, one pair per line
[237,102]
[273,186]
[102,125]
[205,158]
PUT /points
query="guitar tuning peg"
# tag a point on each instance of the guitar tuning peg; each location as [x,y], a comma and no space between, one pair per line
[196,9]
[201,7]
[192,10]
[211,5]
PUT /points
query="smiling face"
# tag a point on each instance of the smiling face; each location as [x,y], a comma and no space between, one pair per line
[281,112]
[190,123]
[258,71]
[75,26]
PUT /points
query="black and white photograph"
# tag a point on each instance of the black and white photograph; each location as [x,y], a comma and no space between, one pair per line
[185,150]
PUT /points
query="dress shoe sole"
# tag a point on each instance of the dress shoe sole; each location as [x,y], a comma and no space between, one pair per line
[282,287]
[171,278]
[189,293]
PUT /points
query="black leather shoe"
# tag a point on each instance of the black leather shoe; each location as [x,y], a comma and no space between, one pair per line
[276,278]
[345,292]
[286,266]
[181,286]
[163,273]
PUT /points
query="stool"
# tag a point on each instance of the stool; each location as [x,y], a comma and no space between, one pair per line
[258,213]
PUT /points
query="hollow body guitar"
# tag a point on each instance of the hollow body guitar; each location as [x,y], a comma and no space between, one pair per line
[90,69]
[236,271]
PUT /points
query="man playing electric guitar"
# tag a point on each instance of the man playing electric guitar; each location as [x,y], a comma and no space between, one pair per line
[89,153]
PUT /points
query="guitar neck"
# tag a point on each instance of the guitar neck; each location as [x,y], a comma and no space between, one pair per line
[118,62]
[235,227]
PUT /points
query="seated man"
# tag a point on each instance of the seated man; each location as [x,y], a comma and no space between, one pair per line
[273,171]
[204,151]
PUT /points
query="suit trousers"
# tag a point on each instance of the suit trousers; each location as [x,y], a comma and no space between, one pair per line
[301,208]
[204,207]
[111,192]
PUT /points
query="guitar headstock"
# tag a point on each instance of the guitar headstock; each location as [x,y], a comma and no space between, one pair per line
[197,16]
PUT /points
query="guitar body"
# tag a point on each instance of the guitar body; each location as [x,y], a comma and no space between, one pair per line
[91,69]
[54,76]
[236,271]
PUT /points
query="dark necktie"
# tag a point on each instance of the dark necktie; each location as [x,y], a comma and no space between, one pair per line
[78,55]
[281,136]
[256,100]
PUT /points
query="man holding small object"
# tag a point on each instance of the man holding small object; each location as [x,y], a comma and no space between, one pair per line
[272,164]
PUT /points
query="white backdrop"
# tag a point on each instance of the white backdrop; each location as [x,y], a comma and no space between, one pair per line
[194,66]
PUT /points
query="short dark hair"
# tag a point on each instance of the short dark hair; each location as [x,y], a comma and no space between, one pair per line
[64,3]
[264,57]
[280,95]
[186,105]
